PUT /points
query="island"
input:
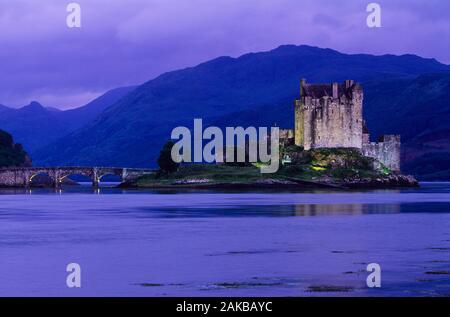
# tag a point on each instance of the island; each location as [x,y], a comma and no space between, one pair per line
[339,168]
[330,146]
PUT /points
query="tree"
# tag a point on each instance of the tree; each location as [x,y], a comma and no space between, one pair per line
[12,154]
[165,162]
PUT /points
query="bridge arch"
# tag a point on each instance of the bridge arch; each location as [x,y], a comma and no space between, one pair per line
[33,175]
[75,175]
[101,176]
[65,173]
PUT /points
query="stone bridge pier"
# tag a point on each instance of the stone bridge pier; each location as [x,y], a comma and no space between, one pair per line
[23,176]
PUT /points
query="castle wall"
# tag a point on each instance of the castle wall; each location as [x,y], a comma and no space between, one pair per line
[286,137]
[299,126]
[286,134]
[329,122]
[386,151]
[330,116]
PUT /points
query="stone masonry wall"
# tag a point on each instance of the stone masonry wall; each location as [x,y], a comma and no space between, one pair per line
[386,151]
[11,178]
[329,121]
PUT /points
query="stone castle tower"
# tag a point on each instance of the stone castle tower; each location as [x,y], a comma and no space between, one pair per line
[331,116]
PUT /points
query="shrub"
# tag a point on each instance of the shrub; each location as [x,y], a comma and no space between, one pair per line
[165,162]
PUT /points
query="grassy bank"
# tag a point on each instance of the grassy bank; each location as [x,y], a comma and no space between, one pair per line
[322,167]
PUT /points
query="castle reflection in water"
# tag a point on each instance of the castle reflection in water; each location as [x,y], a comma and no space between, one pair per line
[344,209]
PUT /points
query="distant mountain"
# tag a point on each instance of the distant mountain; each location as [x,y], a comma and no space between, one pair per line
[418,109]
[32,125]
[36,126]
[4,109]
[52,109]
[77,117]
[254,89]
[12,154]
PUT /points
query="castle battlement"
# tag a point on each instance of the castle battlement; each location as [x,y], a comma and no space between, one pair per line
[386,150]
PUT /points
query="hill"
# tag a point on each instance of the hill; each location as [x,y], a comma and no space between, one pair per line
[254,89]
[416,109]
[12,154]
[35,125]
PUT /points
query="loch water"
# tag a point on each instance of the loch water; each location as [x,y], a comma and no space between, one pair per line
[211,243]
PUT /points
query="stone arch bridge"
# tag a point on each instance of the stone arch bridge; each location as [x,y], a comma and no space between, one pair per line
[23,176]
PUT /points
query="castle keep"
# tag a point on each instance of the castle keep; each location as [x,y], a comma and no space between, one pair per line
[330,116]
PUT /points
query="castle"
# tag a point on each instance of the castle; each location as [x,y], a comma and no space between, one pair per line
[331,116]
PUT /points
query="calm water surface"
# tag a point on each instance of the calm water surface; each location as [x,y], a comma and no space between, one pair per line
[148,243]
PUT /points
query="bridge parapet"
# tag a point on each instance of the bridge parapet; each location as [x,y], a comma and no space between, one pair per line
[23,176]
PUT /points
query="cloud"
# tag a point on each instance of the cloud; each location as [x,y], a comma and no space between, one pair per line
[129,42]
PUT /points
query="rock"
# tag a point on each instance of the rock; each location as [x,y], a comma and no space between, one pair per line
[271,181]
[389,181]
[192,181]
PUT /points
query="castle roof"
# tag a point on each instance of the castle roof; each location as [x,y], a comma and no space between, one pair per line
[320,90]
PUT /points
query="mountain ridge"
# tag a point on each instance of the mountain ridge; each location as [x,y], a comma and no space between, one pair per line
[132,131]
[35,125]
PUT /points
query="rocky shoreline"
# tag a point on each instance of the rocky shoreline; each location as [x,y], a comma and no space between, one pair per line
[390,181]
[387,182]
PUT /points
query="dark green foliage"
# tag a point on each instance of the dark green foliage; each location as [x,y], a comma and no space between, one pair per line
[235,157]
[293,148]
[335,165]
[165,162]
[216,173]
[300,171]
[11,154]
[340,158]
[6,139]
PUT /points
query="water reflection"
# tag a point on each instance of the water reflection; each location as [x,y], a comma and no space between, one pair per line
[299,210]
[343,209]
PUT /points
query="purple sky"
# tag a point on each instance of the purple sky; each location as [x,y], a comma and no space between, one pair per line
[131,41]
